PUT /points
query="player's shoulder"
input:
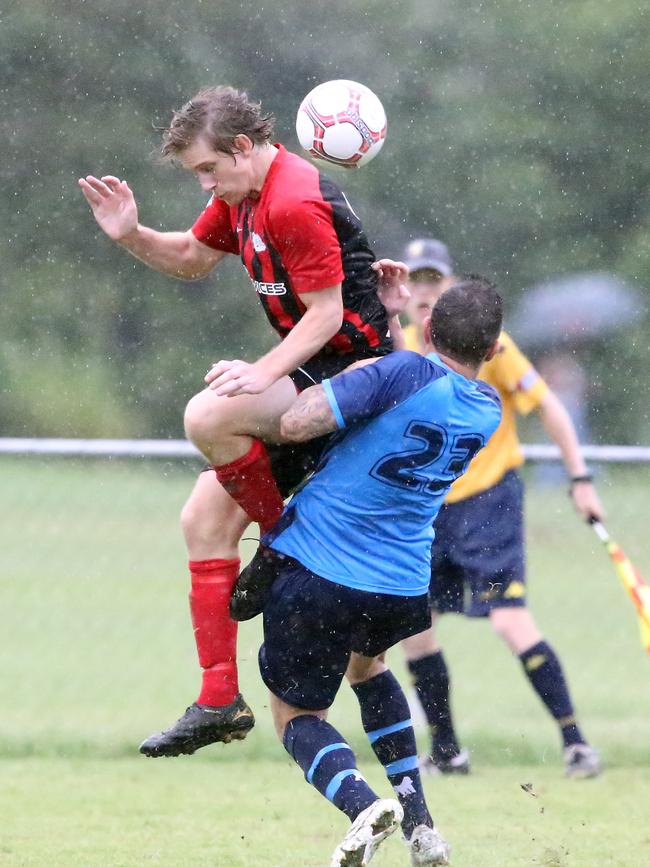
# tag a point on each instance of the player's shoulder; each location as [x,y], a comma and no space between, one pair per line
[488,391]
[411,363]
[294,179]
[404,373]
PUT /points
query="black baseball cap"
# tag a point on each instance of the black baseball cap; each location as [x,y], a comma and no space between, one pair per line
[430,254]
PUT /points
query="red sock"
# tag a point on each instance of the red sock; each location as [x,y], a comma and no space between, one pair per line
[250,483]
[214,632]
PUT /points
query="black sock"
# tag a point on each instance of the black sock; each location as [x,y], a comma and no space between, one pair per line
[387,722]
[431,681]
[545,673]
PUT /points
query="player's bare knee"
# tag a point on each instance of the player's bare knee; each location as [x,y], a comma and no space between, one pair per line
[420,645]
[361,668]
[502,622]
[516,627]
[204,419]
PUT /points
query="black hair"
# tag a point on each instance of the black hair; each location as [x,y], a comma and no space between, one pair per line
[466,319]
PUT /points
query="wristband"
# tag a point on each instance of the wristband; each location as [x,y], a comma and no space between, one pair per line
[577,480]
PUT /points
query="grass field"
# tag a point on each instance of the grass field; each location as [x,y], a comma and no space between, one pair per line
[97,653]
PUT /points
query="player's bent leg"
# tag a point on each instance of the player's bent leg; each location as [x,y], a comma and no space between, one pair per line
[219,426]
[544,671]
[212,525]
[225,429]
[428,668]
[330,766]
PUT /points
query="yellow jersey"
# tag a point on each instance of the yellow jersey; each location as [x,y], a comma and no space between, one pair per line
[521,390]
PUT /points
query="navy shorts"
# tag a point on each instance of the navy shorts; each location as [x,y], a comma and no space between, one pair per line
[312,625]
[477,558]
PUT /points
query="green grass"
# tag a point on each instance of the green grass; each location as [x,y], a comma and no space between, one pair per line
[97,652]
[192,811]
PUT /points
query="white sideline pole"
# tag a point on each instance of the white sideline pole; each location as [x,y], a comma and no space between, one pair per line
[98,447]
[183,449]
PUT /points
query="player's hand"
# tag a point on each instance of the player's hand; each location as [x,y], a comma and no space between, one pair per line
[392,289]
[112,203]
[230,378]
[587,501]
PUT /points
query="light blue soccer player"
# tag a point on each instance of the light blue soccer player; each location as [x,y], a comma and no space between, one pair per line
[352,552]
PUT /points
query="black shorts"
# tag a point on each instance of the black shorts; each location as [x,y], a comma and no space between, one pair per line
[477,558]
[312,625]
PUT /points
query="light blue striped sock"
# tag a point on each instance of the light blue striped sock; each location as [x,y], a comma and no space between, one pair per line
[328,763]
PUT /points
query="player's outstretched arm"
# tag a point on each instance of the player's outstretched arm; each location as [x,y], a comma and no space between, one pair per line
[560,428]
[308,417]
[177,254]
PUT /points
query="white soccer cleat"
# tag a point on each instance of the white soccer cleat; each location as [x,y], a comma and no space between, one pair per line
[428,847]
[581,762]
[458,764]
[368,830]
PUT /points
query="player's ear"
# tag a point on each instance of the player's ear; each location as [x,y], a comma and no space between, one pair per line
[426,334]
[492,351]
[243,144]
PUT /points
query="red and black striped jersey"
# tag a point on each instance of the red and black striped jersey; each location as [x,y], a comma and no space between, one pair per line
[299,236]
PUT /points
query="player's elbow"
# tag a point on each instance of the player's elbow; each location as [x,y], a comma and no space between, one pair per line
[196,260]
[331,321]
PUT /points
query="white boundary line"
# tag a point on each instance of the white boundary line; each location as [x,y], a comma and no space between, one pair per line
[184,449]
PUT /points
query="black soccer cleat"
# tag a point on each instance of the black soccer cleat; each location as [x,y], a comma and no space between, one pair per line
[199,726]
[251,592]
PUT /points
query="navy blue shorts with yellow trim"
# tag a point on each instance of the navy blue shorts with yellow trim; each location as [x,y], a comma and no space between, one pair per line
[477,558]
[311,626]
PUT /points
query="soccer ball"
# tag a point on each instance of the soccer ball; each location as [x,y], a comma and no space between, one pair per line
[342,122]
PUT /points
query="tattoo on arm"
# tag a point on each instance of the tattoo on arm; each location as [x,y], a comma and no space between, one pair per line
[310,416]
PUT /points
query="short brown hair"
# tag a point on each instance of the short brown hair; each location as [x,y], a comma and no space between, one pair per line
[466,319]
[219,114]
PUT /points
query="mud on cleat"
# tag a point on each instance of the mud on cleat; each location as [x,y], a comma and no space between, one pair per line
[252,589]
[428,847]
[199,726]
[368,830]
[581,762]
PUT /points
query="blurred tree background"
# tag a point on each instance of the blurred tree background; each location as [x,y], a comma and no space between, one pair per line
[517,133]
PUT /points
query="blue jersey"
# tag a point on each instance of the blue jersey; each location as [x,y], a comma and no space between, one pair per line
[365,518]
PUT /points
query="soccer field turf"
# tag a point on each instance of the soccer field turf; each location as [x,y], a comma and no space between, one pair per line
[98,653]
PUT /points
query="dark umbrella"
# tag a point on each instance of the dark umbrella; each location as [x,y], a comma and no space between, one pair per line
[574,308]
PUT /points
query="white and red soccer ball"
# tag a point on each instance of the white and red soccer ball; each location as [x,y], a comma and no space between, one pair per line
[342,122]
